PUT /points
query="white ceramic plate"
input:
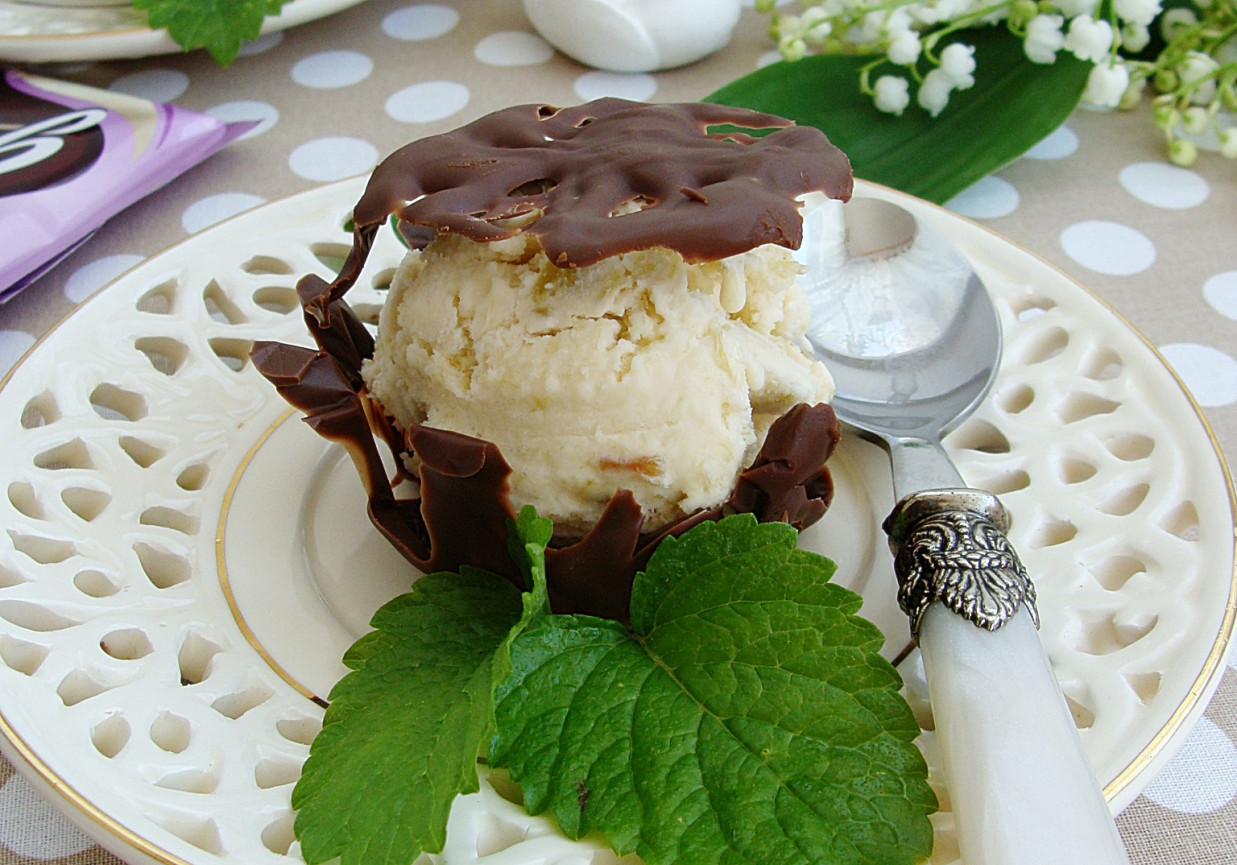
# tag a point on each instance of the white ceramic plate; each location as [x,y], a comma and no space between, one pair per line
[52,32]
[183,563]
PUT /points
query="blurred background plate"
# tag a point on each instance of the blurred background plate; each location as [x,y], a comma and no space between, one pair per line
[57,31]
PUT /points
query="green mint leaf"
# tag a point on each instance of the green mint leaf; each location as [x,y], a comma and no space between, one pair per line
[219,26]
[528,536]
[1013,104]
[744,717]
[404,729]
[527,539]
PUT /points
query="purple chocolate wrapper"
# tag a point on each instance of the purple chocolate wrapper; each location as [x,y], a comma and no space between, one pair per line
[71,157]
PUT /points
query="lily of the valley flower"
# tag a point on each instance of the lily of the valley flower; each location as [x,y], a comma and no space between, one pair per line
[1044,38]
[1107,83]
[892,94]
[1137,11]
[934,92]
[1195,71]
[904,48]
[958,62]
[1089,39]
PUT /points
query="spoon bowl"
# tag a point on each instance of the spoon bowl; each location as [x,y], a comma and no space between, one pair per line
[903,323]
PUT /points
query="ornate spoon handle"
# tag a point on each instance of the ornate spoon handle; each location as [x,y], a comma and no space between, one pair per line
[1019,783]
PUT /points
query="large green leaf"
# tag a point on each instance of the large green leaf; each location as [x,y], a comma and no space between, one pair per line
[1013,104]
[744,717]
[381,776]
[404,729]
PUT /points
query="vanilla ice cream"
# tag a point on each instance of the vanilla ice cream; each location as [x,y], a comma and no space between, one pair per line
[639,372]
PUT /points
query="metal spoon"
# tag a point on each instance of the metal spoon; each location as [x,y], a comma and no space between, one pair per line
[913,341]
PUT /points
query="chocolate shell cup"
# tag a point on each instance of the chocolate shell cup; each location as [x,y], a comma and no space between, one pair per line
[561,174]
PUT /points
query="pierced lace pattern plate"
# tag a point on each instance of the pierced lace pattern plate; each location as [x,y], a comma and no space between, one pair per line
[182,564]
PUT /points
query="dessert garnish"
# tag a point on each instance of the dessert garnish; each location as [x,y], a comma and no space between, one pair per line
[743,714]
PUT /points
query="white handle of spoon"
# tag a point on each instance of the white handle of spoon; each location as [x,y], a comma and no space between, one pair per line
[1020,787]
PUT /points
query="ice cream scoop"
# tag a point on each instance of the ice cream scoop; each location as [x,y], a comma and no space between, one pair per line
[640,372]
[599,318]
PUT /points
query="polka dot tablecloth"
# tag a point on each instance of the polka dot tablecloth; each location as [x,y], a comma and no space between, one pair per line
[332,97]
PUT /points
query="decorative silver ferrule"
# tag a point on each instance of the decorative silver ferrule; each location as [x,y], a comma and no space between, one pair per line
[950,546]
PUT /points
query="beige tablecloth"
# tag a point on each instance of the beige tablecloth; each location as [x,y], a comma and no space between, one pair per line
[1097,199]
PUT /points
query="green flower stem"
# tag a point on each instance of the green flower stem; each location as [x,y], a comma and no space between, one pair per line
[962,23]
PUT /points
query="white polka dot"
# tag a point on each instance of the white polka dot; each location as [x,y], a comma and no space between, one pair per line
[13,344]
[244,110]
[1163,185]
[1058,144]
[216,208]
[987,198]
[1210,374]
[32,828]
[88,279]
[328,70]
[1108,247]
[513,48]
[326,159]
[261,45]
[1221,292]
[157,85]
[427,101]
[416,23]
[624,85]
[1202,777]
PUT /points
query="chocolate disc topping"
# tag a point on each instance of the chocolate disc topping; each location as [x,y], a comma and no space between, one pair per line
[606,177]
[706,196]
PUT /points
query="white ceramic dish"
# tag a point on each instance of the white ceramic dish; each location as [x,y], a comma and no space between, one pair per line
[183,563]
[52,32]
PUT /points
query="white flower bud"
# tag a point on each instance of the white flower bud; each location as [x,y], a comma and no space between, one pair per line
[897,21]
[792,48]
[933,93]
[1175,20]
[1228,142]
[958,62]
[1182,152]
[904,48]
[1137,11]
[1044,38]
[1198,69]
[1135,37]
[1089,39]
[1106,84]
[789,25]
[1165,114]
[951,9]
[819,32]
[870,28]
[1074,8]
[1133,94]
[891,94]
[812,16]
[1024,10]
[1195,120]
